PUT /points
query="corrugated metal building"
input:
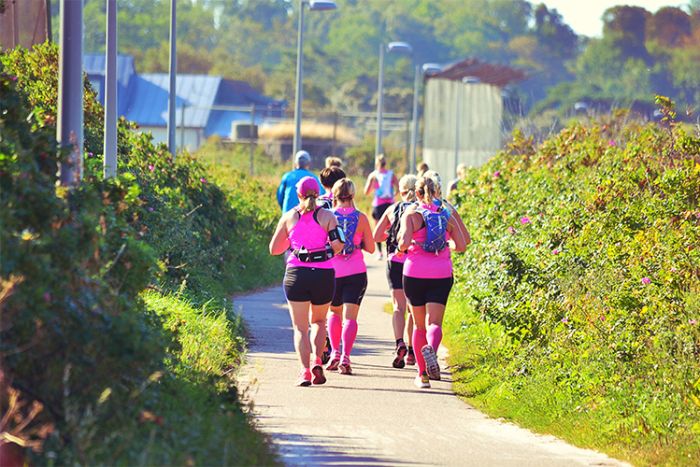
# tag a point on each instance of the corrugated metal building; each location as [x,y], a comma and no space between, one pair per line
[463,114]
[206,105]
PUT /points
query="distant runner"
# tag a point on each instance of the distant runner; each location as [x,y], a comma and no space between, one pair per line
[383,182]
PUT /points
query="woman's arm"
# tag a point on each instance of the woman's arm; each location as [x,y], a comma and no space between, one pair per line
[406,231]
[369,183]
[367,240]
[328,221]
[379,234]
[460,223]
[280,239]
[457,240]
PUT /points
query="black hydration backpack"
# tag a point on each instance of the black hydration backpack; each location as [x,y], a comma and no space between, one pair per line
[392,239]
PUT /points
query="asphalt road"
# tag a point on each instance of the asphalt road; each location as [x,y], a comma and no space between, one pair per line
[376,417]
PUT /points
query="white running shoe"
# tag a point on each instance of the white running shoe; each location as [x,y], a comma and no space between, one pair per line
[431,362]
[422,381]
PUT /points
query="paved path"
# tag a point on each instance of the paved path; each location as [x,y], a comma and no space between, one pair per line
[377,417]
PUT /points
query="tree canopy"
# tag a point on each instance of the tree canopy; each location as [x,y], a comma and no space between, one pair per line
[639,54]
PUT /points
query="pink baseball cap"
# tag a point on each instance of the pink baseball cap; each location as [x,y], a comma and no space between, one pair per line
[307,184]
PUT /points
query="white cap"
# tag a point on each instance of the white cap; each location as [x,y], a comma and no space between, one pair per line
[302,158]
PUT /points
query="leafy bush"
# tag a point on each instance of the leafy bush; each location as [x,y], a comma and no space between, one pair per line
[77,342]
[585,263]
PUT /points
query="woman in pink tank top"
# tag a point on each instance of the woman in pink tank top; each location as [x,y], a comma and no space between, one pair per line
[387,229]
[310,233]
[427,278]
[350,275]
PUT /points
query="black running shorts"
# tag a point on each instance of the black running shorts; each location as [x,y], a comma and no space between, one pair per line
[421,291]
[378,211]
[394,274]
[302,284]
[350,289]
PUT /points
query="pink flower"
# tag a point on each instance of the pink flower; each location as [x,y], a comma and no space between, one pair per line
[673,269]
[497,174]
[202,180]
[150,167]
[602,318]
[646,281]
[525,220]
[612,143]
[151,209]
[564,320]
[555,252]
[512,230]
[243,266]
[692,322]
[47,297]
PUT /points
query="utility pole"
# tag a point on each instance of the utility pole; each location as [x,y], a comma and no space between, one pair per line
[172,124]
[110,136]
[69,127]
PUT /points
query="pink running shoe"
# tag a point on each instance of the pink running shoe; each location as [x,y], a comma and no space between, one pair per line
[431,362]
[410,358]
[401,351]
[304,378]
[335,361]
[344,367]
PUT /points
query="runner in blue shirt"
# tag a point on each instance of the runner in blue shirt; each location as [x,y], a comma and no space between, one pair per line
[287,192]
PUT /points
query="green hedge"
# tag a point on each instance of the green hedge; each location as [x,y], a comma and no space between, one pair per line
[104,378]
[578,299]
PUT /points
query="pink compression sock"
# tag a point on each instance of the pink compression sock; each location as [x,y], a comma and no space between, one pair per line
[419,341]
[434,336]
[335,328]
[349,335]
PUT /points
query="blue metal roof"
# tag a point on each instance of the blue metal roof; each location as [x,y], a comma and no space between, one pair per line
[94,67]
[144,98]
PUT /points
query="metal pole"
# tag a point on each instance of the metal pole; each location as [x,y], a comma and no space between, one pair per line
[110,137]
[457,123]
[296,145]
[414,136]
[15,23]
[408,138]
[173,73]
[69,127]
[335,133]
[49,35]
[380,101]
[252,146]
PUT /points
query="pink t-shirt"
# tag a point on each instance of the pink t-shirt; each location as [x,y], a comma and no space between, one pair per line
[424,265]
[309,234]
[354,263]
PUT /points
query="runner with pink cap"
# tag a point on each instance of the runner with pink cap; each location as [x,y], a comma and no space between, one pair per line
[312,236]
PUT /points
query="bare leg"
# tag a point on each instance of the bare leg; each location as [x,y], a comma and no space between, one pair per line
[318,328]
[299,312]
[399,319]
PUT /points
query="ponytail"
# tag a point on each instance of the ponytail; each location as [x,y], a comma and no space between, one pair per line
[425,189]
[308,202]
[407,185]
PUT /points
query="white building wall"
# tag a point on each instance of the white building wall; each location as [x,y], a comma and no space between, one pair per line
[473,109]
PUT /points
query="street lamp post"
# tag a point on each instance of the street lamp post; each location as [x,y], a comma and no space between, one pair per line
[392,47]
[314,5]
[420,71]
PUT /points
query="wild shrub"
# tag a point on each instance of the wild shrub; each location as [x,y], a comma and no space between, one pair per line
[585,256]
[103,373]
